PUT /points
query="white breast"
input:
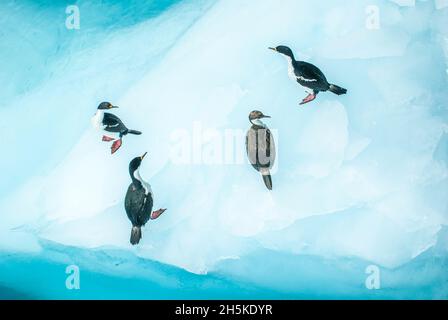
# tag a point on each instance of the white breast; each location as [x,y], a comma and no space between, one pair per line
[258,122]
[97,120]
[291,69]
[145,184]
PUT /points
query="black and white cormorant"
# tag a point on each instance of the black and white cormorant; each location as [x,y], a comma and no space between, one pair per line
[139,201]
[308,76]
[260,146]
[111,125]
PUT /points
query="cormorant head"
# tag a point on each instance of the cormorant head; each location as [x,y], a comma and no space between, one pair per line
[283,50]
[134,165]
[255,115]
[106,106]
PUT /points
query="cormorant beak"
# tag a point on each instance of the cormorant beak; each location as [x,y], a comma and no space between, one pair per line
[113,107]
[272,48]
[143,156]
[265,116]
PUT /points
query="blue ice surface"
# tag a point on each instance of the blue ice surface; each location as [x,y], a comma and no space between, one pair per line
[34,40]
[123,276]
[362,178]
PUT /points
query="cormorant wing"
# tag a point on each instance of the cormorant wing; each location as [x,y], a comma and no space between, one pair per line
[308,72]
[111,121]
[271,149]
[134,204]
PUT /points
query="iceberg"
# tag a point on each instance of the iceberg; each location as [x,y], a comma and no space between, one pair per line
[361,180]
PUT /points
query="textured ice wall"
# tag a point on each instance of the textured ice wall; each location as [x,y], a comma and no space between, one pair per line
[358,175]
[41,124]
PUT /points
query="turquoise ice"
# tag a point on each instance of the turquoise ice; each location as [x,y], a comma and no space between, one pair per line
[361,179]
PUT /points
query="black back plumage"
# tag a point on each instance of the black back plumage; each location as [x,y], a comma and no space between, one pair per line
[113,124]
[138,201]
[138,204]
[310,76]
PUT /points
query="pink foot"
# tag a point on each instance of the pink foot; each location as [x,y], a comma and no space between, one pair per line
[116,145]
[107,139]
[309,98]
[157,214]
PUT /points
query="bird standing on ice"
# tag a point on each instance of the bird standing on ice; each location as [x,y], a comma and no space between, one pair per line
[260,147]
[111,125]
[308,76]
[139,201]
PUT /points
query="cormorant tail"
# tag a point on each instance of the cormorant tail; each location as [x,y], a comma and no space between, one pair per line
[337,90]
[136,235]
[267,179]
[134,132]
